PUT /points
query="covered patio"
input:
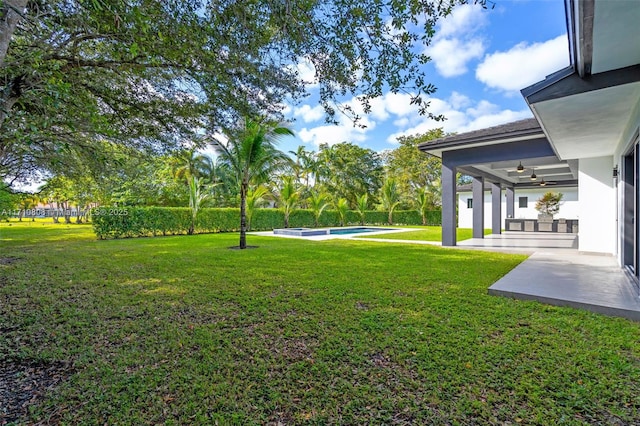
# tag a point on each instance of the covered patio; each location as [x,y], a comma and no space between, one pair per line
[508,157]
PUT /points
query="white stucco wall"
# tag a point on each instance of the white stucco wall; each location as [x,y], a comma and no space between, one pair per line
[569,209]
[597,197]
[624,145]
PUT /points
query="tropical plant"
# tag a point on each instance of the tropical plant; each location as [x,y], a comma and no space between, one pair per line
[549,203]
[390,197]
[342,207]
[27,202]
[362,203]
[318,201]
[189,163]
[252,156]
[255,200]
[288,197]
[8,203]
[424,202]
[196,197]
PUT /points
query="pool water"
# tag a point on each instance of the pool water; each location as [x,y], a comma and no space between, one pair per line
[346,231]
[308,232]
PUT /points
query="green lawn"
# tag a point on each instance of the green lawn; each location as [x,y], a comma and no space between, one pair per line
[427,233]
[183,330]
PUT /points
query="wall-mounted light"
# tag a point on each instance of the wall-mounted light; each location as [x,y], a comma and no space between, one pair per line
[520,168]
[615,172]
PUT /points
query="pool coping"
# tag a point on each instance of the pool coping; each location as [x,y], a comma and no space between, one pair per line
[384,230]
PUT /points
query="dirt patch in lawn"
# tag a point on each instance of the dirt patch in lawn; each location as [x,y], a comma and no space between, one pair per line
[8,260]
[25,383]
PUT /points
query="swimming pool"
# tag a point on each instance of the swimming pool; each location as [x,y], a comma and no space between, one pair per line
[310,232]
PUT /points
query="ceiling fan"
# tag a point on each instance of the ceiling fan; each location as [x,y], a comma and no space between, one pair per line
[545,183]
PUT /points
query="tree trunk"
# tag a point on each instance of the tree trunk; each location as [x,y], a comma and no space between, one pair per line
[66,212]
[424,220]
[10,15]
[390,217]
[78,214]
[286,219]
[243,214]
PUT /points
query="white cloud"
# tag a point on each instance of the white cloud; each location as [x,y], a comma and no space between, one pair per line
[464,19]
[333,134]
[309,114]
[307,73]
[461,117]
[458,100]
[523,64]
[455,42]
[450,56]
[495,118]
[399,104]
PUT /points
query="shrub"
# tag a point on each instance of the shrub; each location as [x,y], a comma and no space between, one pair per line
[131,222]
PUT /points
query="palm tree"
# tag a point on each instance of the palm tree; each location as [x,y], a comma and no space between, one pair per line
[299,167]
[27,202]
[342,207]
[288,198]
[252,156]
[196,197]
[424,201]
[190,163]
[318,201]
[390,197]
[255,199]
[362,203]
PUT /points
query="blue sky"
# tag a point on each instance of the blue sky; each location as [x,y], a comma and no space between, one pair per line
[480,60]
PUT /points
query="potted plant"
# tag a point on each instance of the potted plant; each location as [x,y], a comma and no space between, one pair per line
[548,205]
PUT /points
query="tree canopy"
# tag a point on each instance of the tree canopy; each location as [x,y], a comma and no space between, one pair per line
[154,75]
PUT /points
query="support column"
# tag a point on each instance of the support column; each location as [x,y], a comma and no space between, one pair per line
[496,208]
[511,203]
[449,204]
[478,207]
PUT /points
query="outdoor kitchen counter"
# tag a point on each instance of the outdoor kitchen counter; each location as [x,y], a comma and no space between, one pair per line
[565,226]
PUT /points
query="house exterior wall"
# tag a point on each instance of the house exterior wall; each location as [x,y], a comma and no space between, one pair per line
[625,144]
[569,209]
[597,195]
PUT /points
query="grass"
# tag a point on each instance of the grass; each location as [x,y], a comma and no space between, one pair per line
[427,233]
[182,330]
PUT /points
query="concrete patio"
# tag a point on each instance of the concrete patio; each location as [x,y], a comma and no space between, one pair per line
[526,242]
[557,274]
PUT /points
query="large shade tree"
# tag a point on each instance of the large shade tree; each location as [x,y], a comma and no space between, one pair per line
[347,171]
[150,73]
[412,169]
[252,155]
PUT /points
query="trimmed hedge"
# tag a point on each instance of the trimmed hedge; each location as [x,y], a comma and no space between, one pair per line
[129,222]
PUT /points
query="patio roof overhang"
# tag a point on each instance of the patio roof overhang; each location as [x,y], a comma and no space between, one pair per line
[496,153]
[585,108]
